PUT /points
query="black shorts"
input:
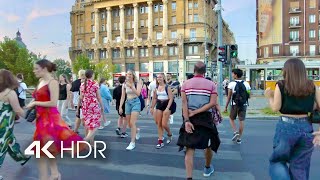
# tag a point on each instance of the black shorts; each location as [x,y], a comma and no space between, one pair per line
[123,109]
[22,102]
[238,111]
[162,105]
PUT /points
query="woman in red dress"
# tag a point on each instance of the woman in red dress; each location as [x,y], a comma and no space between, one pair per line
[92,106]
[49,124]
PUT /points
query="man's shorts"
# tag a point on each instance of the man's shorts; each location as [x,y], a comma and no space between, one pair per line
[238,111]
[132,105]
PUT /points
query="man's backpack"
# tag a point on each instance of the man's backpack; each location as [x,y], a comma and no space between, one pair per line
[17,90]
[240,95]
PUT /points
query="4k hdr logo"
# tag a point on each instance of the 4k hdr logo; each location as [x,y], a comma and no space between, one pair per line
[30,149]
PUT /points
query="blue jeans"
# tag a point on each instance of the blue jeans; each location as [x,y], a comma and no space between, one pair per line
[132,105]
[292,149]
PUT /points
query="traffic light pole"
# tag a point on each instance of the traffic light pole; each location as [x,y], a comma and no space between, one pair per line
[220,42]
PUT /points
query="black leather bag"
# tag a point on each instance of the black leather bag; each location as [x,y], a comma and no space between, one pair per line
[31,115]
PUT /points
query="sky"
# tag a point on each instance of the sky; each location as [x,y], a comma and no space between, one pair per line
[45,25]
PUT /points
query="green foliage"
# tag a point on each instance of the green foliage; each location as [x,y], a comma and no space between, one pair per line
[268,111]
[17,60]
[63,67]
[103,69]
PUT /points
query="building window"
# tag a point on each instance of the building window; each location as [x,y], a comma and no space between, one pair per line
[193,49]
[143,9]
[193,33]
[129,25]
[312,18]
[312,50]
[312,4]
[93,29]
[174,20]
[104,40]
[103,28]
[129,11]
[276,50]
[103,15]
[195,5]
[91,55]
[173,66]
[294,35]
[156,22]
[173,50]
[144,67]
[130,37]
[190,18]
[294,50]
[117,68]
[115,26]
[312,34]
[266,52]
[173,6]
[195,18]
[118,38]
[129,52]
[190,66]
[79,43]
[92,16]
[158,51]
[161,7]
[142,23]
[93,40]
[156,7]
[161,21]
[190,5]
[144,36]
[103,54]
[116,53]
[159,35]
[294,21]
[129,66]
[158,67]
[144,52]
[115,12]
[173,34]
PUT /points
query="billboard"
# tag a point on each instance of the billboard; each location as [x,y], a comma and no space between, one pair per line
[270,21]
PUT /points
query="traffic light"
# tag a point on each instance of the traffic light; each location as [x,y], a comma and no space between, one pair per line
[223,53]
[233,51]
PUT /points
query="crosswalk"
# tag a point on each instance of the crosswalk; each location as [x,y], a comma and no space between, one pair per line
[145,161]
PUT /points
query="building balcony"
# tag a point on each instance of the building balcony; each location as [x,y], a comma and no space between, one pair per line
[295,40]
[294,25]
[78,8]
[197,39]
[294,10]
[77,48]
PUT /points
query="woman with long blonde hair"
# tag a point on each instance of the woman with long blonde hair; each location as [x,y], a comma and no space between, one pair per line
[132,90]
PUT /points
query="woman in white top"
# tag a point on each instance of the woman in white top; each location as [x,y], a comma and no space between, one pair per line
[132,90]
[163,99]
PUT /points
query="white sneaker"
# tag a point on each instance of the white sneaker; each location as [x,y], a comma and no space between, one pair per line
[1,177]
[169,139]
[101,127]
[107,123]
[171,119]
[138,134]
[131,146]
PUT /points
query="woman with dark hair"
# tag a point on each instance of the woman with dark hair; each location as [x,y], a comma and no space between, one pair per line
[49,124]
[163,99]
[106,100]
[131,91]
[294,97]
[9,106]
[64,97]
[92,106]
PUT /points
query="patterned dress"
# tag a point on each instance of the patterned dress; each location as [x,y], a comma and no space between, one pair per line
[51,127]
[91,110]
[8,142]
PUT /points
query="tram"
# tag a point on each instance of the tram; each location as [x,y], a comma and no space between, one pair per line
[263,76]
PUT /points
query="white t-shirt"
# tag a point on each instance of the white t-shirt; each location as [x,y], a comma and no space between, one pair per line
[22,90]
[233,84]
[152,87]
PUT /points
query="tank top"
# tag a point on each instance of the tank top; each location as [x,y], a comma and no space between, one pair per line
[62,92]
[162,95]
[129,92]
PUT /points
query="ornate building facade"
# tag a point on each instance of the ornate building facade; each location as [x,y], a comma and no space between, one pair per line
[147,36]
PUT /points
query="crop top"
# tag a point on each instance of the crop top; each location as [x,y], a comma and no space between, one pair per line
[295,105]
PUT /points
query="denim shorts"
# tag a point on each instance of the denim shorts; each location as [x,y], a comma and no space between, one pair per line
[132,105]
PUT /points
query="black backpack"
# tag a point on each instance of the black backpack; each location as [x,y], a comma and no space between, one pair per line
[17,90]
[240,95]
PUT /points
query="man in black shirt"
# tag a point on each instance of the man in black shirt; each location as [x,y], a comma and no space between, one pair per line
[122,123]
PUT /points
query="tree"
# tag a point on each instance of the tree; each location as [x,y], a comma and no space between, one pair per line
[63,67]
[104,70]
[17,60]
[81,62]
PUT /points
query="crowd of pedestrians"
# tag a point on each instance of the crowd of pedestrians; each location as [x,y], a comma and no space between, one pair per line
[295,97]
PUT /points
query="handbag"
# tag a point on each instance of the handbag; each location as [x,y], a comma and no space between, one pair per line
[217,119]
[314,116]
[31,115]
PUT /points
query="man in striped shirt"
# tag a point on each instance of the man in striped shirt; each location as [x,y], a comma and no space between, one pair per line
[199,95]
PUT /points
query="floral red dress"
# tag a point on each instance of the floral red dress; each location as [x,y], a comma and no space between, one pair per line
[91,110]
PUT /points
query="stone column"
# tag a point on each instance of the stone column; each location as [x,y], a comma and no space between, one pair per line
[136,21]
[109,24]
[96,25]
[150,20]
[122,23]
[165,19]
